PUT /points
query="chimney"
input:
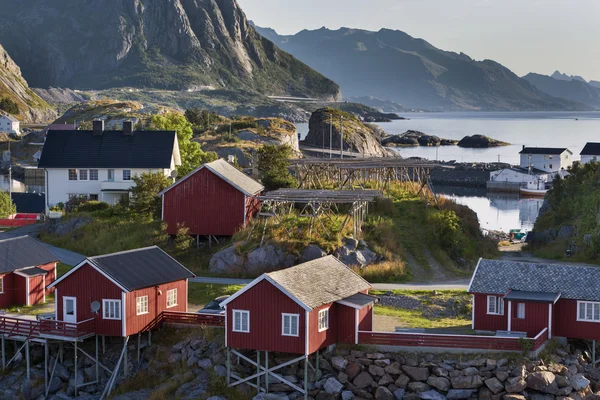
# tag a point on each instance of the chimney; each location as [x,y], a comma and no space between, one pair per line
[128,128]
[523,147]
[98,127]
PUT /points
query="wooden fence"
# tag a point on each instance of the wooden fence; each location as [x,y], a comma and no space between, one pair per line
[405,339]
[192,318]
[32,329]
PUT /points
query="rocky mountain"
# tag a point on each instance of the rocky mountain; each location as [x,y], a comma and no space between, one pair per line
[574,89]
[31,108]
[595,84]
[169,44]
[564,77]
[391,65]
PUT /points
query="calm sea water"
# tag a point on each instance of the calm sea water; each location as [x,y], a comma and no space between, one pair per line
[542,129]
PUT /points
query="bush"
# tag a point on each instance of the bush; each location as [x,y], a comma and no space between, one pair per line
[9,106]
[7,207]
[145,200]
[92,205]
[273,166]
[74,203]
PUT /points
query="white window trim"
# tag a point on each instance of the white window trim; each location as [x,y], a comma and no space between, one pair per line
[176,302]
[69,174]
[585,319]
[497,301]
[325,310]
[117,303]
[137,305]
[130,175]
[240,312]
[90,175]
[297,316]
[2,285]
[87,175]
[519,307]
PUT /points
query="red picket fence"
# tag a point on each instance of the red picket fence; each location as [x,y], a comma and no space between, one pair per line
[407,339]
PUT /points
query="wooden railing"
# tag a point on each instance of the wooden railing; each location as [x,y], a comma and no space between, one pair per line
[50,327]
[193,318]
[407,339]
[19,327]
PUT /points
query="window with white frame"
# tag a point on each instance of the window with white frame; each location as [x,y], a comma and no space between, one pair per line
[521,311]
[495,305]
[171,298]
[111,309]
[290,324]
[72,174]
[323,320]
[93,174]
[2,285]
[241,321]
[588,311]
[141,305]
[83,174]
[94,197]
[126,174]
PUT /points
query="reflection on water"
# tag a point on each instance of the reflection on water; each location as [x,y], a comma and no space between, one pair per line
[496,211]
[29,186]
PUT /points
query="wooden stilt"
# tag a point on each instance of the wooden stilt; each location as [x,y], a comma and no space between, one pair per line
[27,360]
[3,353]
[149,338]
[306,378]
[267,375]
[46,365]
[97,361]
[60,352]
[317,362]
[103,344]
[258,372]
[228,365]
[125,359]
[594,353]
[75,367]
[139,346]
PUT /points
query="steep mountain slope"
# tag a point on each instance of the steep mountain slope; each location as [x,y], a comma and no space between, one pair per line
[392,65]
[573,89]
[12,86]
[171,44]
[564,77]
[595,84]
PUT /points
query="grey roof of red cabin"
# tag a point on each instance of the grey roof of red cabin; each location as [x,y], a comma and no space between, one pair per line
[321,281]
[23,252]
[230,174]
[571,281]
[591,149]
[141,268]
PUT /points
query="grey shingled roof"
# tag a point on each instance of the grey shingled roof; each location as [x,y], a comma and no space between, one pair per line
[234,176]
[23,252]
[141,268]
[571,281]
[532,296]
[321,281]
[35,271]
[360,299]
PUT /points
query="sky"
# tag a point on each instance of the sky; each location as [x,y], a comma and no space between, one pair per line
[524,35]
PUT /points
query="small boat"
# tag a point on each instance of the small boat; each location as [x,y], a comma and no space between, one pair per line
[534,189]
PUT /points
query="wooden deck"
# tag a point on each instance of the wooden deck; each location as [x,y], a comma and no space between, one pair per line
[27,329]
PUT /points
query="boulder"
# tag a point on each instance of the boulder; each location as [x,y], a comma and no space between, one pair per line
[466,382]
[579,382]
[416,373]
[347,395]
[512,396]
[416,138]
[402,381]
[459,394]
[432,395]
[418,387]
[480,142]
[363,380]
[352,369]
[494,385]
[439,383]
[226,261]
[311,252]
[383,393]
[333,386]
[543,381]
[374,370]
[399,393]
[516,385]
[268,258]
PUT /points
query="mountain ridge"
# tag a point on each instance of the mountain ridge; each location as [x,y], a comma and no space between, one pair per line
[573,89]
[392,65]
[174,44]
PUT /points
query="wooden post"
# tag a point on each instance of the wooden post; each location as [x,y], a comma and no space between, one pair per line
[149,338]
[267,374]
[46,365]
[75,365]
[306,378]
[139,344]
[60,352]
[103,344]
[125,359]
[317,366]
[3,354]
[258,372]
[197,241]
[27,359]
[594,353]
[97,361]
[228,365]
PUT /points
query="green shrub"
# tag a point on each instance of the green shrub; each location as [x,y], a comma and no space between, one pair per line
[91,206]
[7,207]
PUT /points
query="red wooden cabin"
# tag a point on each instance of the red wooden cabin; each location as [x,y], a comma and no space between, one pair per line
[123,292]
[528,297]
[26,268]
[214,200]
[300,310]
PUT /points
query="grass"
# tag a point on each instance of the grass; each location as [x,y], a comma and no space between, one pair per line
[200,294]
[415,318]
[36,309]
[62,269]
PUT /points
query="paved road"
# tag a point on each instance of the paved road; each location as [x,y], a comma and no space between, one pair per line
[65,256]
[452,285]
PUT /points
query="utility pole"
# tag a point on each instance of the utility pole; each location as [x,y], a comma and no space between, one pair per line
[341,136]
[323,144]
[229,129]
[498,158]
[437,151]
[330,135]
[9,172]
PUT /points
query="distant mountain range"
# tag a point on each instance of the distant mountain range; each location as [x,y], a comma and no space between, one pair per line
[574,88]
[176,44]
[393,66]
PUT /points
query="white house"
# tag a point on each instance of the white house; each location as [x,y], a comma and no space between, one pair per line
[546,158]
[519,175]
[591,152]
[9,124]
[100,165]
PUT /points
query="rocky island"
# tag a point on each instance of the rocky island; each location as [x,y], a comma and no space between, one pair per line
[412,138]
[480,142]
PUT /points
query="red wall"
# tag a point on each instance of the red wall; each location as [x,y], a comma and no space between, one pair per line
[485,322]
[204,203]
[536,318]
[36,289]
[157,303]
[565,322]
[253,207]
[319,340]
[19,288]
[88,285]
[50,276]
[7,298]
[266,303]
[365,318]
[346,321]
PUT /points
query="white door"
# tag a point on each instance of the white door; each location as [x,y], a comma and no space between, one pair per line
[70,309]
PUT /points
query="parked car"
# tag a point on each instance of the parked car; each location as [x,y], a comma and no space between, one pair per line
[214,307]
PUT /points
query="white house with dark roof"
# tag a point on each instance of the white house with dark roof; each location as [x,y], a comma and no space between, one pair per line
[100,164]
[9,124]
[530,298]
[591,152]
[546,159]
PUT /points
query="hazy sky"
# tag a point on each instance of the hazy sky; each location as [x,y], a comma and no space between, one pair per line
[524,35]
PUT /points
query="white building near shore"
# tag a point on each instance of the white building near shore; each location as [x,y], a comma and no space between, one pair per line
[591,152]
[9,124]
[548,159]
